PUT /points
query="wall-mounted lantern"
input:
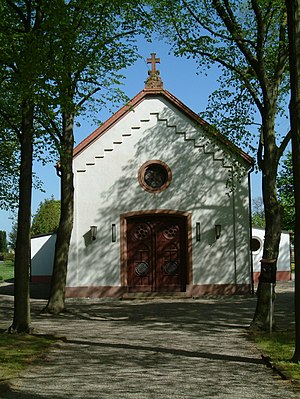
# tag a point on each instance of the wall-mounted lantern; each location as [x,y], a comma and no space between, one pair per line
[218,231]
[93,230]
[197,231]
[113,233]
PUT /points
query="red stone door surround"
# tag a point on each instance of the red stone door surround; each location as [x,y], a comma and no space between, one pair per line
[156,251]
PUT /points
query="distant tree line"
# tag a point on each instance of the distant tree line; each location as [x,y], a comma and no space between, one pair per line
[3,242]
[285,196]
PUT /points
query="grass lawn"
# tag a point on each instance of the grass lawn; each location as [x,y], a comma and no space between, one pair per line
[279,346]
[6,270]
[17,351]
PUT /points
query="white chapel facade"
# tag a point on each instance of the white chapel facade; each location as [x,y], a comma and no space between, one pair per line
[161,204]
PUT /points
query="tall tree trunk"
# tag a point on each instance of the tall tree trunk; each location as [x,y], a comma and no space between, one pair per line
[21,321]
[293,10]
[263,317]
[56,302]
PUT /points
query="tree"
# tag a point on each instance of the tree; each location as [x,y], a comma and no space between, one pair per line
[3,242]
[9,166]
[21,49]
[91,42]
[46,219]
[286,194]
[13,236]
[293,8]
[248,41]
[258,213]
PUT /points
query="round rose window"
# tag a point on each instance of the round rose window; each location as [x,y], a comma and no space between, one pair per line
[155,176]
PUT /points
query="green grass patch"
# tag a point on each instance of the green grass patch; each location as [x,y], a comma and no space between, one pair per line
[17,351]
[6,270]
[279,346]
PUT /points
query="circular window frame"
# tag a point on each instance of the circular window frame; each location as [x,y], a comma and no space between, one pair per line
[141,176]
[257,239]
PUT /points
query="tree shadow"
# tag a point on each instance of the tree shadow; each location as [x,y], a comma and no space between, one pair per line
[37,290]
[201,167]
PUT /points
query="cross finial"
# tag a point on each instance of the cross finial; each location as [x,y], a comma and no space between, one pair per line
[153,81]
[153,61]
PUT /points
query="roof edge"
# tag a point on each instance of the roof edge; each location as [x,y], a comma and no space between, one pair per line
[122,112]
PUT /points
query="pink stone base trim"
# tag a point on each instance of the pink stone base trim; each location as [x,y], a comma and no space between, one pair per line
[95,292]
[122,292]
[280,276]
[192,291]
[218,289]
[41,279]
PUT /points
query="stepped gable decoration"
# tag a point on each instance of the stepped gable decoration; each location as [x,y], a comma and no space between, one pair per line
[154,80]
[162,202]
[154,87]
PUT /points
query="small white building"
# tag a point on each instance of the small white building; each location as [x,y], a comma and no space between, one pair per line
[161,204]
[284,257]
[42,257]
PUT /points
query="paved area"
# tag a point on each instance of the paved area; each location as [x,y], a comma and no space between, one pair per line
[151,349]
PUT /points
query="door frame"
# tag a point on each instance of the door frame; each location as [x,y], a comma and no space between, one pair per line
[185,216]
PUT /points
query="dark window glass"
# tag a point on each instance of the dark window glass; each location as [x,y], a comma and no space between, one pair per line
[255,244]
[155,176]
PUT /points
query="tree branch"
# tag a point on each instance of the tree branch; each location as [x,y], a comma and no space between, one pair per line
[282,53]
[87,96]
[260,160]
[284,143]
[235,30]
[51,123]
[210,30]
[8,120]
[260,32]
[229,66]
[18,10]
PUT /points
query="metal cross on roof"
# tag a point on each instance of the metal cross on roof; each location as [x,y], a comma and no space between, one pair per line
[153,61]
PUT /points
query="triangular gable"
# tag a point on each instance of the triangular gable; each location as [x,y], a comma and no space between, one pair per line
[154,92]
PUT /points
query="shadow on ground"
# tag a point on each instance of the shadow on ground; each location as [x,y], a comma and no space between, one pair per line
[37,290]
[150,349]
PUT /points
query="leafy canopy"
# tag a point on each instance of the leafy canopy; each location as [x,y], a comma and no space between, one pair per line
[247,41]
[46,219]
[286,193]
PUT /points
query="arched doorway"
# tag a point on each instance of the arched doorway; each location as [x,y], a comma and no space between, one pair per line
[155,252]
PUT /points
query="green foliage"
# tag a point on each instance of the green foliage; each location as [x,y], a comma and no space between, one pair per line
[23,59]
[9,257]
[13,236]
[279,347]
[46,220]
[91,43]
[6,270]
[64,57]
[9,166]
[248,43]
[286,193]
[3,242]
[258,214]
[18,351]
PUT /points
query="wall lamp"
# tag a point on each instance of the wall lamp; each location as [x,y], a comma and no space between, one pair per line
[113,233]
[218,231]
[198,231]
[93,230]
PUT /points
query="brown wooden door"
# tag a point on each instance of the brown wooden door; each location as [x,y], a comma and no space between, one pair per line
[156,254]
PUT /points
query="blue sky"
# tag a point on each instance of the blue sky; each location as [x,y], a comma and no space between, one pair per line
[180,77]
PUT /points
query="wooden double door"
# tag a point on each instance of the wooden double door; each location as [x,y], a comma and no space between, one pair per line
[156,253]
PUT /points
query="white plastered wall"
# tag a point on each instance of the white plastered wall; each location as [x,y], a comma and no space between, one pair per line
[106,181]
[284,257]
[42,255]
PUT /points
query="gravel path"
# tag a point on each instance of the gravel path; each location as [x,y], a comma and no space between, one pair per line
[152,349]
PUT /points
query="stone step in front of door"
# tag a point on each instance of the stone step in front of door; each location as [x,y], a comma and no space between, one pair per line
[155,295]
